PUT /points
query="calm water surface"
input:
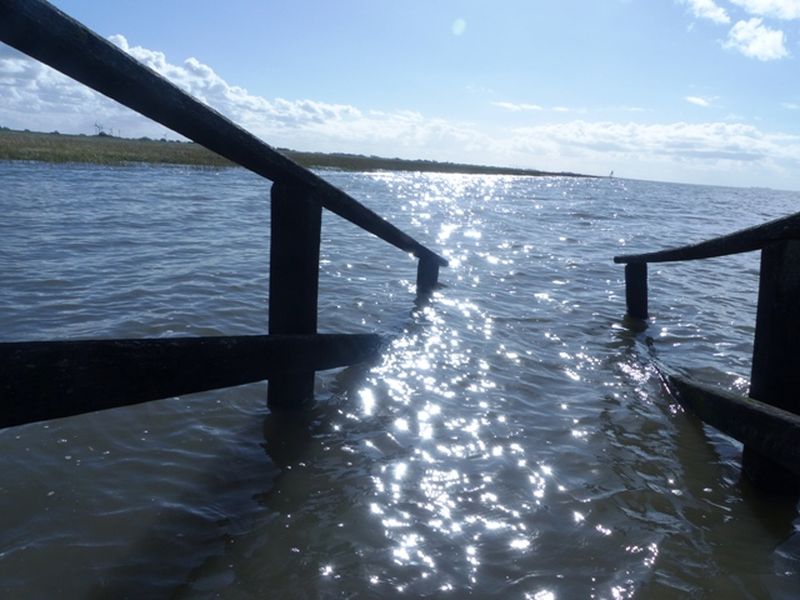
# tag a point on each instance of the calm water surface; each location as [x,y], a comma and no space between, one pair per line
[513,440]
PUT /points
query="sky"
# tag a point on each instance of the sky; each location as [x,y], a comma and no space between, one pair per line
[694,91]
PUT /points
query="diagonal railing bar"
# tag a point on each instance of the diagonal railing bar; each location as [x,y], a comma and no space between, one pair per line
[772,431]
[128,371]
[744,240]
[42,31]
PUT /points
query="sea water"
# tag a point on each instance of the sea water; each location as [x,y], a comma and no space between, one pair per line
[513,439]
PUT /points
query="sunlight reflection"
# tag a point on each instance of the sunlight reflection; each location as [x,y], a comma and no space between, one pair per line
[603,529]
[400,470]
[474,460]
[367,401]
[446,231]
[520,544]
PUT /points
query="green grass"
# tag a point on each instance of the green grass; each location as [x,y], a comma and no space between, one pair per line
[108,150]
[102,150]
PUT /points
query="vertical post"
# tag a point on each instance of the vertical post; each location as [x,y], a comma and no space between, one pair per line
[775,377]
[636,289]
[293,284]
[427,276]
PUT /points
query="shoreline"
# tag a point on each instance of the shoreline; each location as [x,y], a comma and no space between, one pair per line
[104,149]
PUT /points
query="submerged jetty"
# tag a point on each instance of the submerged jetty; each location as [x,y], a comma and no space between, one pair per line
[46,380]
[768,421]
[50,379]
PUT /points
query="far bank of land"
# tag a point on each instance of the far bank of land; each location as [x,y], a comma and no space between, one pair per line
[108,150]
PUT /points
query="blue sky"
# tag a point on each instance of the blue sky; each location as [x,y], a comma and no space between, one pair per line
[700,91]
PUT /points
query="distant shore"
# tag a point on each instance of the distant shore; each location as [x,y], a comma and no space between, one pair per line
[105,149]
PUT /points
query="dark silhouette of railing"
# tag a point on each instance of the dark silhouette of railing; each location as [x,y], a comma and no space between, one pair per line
[45,380]
[768,422]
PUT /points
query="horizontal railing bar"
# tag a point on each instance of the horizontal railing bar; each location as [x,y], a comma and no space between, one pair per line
[47,34]
[745,240]
[48,380]
[773,432]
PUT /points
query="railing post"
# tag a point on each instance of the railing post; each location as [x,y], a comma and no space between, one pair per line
[293,284]
[775,377]
[427,276]
[636,289]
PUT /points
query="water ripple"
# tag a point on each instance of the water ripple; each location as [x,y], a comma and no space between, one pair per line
[513,439]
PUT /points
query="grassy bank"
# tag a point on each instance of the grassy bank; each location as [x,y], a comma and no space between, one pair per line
[101,149]
[107,150]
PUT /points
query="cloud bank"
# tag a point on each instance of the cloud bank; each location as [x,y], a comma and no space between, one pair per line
[751,37]
[36,97]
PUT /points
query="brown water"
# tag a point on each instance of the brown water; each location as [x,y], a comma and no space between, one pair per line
[513,440]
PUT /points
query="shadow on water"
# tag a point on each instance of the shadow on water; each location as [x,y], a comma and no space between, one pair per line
[708,505]
[193,548]
[294,486]
[312,507]
[170,554]
[287,435]
[729,521]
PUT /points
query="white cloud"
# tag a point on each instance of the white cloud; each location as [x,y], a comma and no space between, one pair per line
[667,150]
[790,105]
[699,101]
[36,97]
[708,9]
[755,40]
[779,9]
[516,107]
[33,92]
[523,107]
